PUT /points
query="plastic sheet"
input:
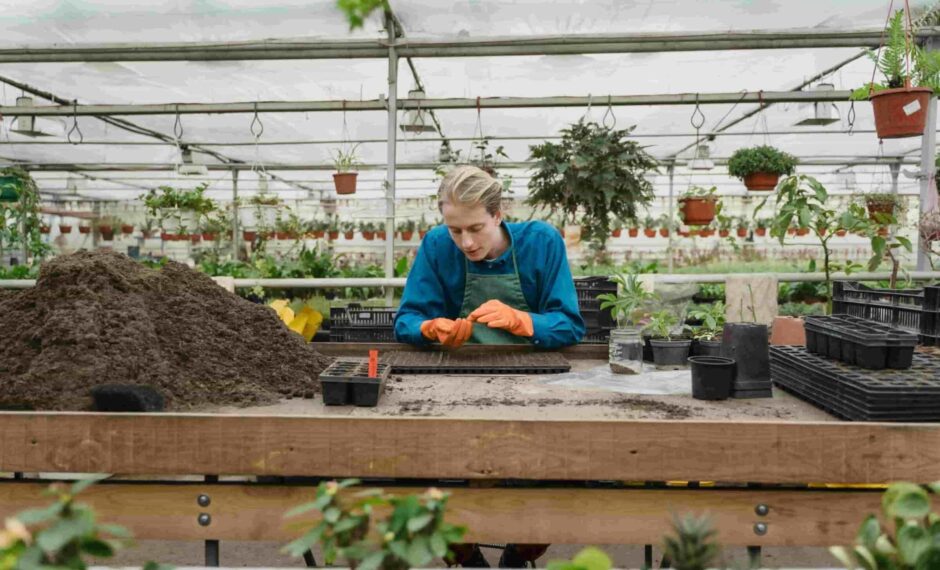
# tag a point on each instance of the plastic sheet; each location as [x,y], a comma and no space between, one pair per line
[651,381]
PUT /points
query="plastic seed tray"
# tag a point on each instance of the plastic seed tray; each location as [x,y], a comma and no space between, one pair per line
[347,382]
[356,323]
[455,363]
[861,395]
[857,341]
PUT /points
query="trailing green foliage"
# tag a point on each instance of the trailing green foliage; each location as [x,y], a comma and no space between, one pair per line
[892,62]
[713,320]
[357,11]
[20,221]
[167,197]
[596,171]
[60,535]
[664,324]
[346,160]
[911,540]
[630,296]
[412,535]
[747,161]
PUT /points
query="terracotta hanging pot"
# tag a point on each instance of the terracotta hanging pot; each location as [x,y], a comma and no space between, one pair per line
[761,231]
[697,211]
[761,181]
[633,232]
[349,235]
[127,229]
[900,112]
[345,182]
[616,233]
[406,236]
[742,232]
[65,229]
[879,207]
[649,232]
[724,233]
[368,236]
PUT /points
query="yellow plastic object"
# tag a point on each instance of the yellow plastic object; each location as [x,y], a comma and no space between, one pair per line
[278,305]
[298,323]
[314,320]
[287,315]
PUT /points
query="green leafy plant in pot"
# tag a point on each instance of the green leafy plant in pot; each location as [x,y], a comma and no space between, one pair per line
[881,202]
[698,206]
[707,336]
[670,351]
[594,171]
[346,162]
[628,307]
[760,167]
[911,73]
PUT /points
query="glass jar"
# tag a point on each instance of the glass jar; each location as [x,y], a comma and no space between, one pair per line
[626,351]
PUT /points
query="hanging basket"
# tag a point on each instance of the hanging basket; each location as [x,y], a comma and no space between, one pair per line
[697,211]
[761,181]
[900,113]
[345,182]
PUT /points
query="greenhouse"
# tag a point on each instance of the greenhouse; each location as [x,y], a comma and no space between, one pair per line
[665,274]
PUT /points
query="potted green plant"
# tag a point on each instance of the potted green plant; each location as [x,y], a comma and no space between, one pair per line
[881,203]
[178,210]
[665,225]
[760,167]
[670,350]
[707,336]
[106,226]
[724,226]
[332,229]
[215,226]
[697,205]
[348,229]
[287,225]
[633,230]
[911,74]
[616,229]
[627,308]
[760,226]
[594,174]
[423,227]
[406,229]
[65,229]
[368,230]
[741,226]
[649,227]
[345,162]
[84,227]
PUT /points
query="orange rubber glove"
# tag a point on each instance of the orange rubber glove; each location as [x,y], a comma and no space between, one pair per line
[450,333]
[498,315]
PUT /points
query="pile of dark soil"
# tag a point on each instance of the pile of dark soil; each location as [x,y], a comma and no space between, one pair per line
[101,318]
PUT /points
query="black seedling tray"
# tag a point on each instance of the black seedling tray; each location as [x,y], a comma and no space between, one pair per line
[432,362]
[347,382]
[854,340]
[862,395]
[349,334]
[355,323]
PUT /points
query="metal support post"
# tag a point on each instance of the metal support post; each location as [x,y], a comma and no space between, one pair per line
[672,172]
[392,158]
[235,237]
[927,177]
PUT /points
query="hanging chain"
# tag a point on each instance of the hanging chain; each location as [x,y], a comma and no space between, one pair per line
[587,113]
[478,139]
[178,125]
[609,112]
[256,127]
[881,44]
[75,129]
[851,117]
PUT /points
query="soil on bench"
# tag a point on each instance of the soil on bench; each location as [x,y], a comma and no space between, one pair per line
[100,318]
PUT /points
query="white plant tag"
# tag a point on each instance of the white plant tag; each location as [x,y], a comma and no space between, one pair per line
[911,107]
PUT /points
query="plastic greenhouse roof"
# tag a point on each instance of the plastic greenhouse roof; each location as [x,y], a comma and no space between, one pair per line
[664,129]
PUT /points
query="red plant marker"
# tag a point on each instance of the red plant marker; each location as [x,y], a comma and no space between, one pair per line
[373,363]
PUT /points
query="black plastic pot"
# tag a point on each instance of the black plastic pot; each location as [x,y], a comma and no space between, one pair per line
[647,349]
[712,377]
[670,353]
[706,348]
[748,346]
[126,398]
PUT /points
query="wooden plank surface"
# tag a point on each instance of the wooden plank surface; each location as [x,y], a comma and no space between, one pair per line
[557,516]
[179,444]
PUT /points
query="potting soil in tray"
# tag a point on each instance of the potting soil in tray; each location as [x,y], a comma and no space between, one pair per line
[348,382]
[101,318]
[857,394]
[434,362]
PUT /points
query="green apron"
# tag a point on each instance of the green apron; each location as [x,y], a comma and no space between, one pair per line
[481,288]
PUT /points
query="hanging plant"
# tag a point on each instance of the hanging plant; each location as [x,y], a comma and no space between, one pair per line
[595,171]
[698,206]
[20,220]
[760,167]
[911,74]
[346,163]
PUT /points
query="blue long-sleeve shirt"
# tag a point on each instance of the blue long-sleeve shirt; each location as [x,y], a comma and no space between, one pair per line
[435,286]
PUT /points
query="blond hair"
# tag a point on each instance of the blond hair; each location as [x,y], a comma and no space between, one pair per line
[470,185]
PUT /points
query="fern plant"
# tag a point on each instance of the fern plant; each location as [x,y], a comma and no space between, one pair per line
[892,62]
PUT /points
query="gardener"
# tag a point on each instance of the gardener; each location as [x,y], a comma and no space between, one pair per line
[477,279]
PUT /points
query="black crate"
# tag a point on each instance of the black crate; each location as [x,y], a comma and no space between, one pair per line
[356,323]
[347,382]
[914,310]
[588,288]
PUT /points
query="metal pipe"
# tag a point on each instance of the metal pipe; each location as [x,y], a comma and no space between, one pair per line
[392,149]
[235,236]
[154,167]
[398,282]
[446,103]
[672,171]
[928,169]
[493,46]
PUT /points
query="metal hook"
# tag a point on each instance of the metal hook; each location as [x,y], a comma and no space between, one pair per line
[698,117]
[851,117]
[609,111]
[587,112]
[81,137]
[256,120]
[178,125]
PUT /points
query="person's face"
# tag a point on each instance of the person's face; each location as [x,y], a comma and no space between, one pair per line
[475,231]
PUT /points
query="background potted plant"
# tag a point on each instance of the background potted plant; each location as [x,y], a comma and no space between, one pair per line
[649,226]
[332,229]
[697,205]
[106,226]
[345,162]
[881,202]
[127,229]
[760,226]
[84,227]
[348,229]
[627,308]
[724,226]
[423,227]
[900,102]
[741,226]
[665,225]
[707,336]
[595,171]
[406,229]
[65,229]
[616,228]
[633,230]
[215,226]
[368,230]
[669,349]
[760,167]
